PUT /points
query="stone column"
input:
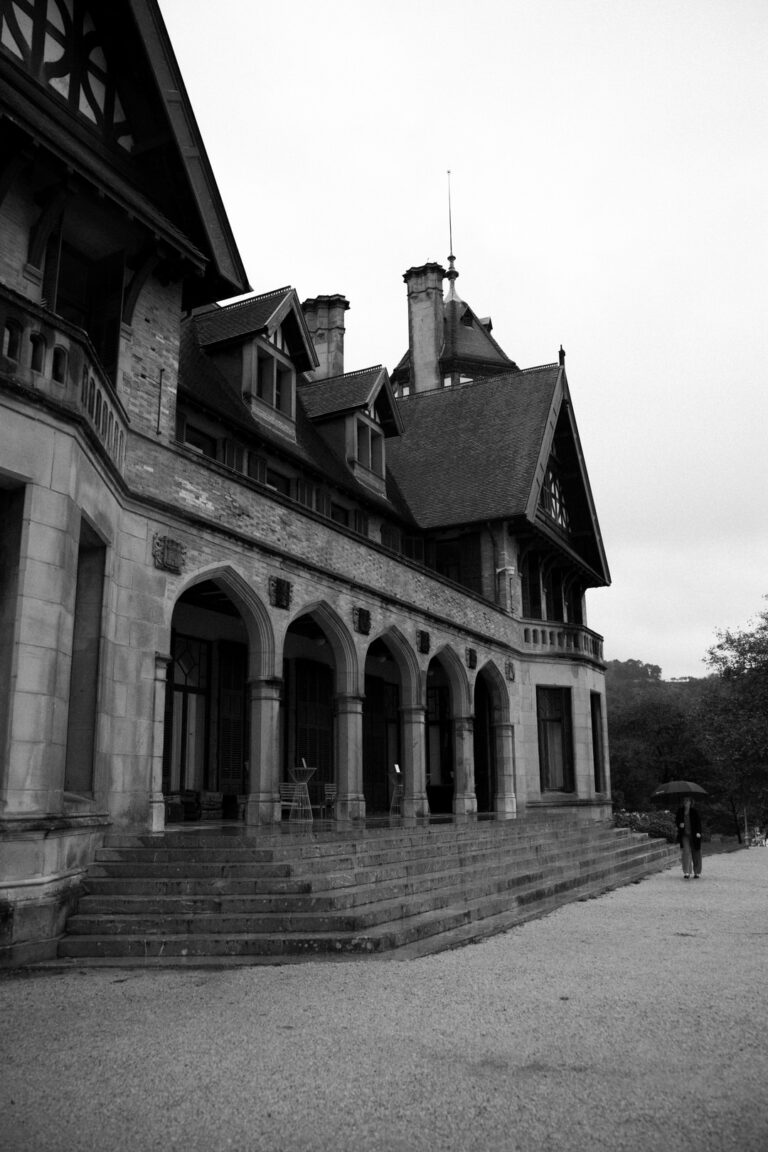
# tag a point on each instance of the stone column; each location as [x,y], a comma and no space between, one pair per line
[262,805]
[156,798]
[350,800]
[414,765]
[503,737]
[464,798]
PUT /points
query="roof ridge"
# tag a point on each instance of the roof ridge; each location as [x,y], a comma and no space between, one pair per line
[251,299]
[342,376]
[538,367]
[360,371]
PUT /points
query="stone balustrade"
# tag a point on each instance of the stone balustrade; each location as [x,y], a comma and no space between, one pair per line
[43,352]
[567,640]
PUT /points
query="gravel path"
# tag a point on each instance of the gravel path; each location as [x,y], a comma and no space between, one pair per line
[636,1022]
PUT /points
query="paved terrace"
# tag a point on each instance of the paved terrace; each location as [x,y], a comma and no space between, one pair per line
[634,1022]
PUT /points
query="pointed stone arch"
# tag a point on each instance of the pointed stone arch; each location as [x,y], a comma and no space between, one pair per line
[500,692]
[493,744]
[411,679]
[341,642]
[255,616]
[457,678]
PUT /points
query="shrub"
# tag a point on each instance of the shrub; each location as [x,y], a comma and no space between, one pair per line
[659,824]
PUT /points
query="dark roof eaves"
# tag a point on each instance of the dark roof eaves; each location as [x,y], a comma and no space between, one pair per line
[192,151]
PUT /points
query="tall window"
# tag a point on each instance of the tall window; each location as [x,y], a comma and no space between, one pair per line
[84,671]
[275,382]
[530,575]
[186,731]
[58,43]
[370,448]
[553,707]
[598,747]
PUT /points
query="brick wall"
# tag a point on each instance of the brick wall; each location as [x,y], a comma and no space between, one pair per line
[16,215]
[224,498]
[147,349]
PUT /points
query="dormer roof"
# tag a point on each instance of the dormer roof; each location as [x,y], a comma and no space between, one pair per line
[260,316]
[353,391]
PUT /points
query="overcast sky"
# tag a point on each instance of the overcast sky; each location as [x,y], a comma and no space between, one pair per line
[609,188]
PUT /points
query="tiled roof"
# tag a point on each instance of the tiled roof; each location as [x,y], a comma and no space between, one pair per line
[468,340]
[201,382]
[469,453]
[340,393]
[241,319]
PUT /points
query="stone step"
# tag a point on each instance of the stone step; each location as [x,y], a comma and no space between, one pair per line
[537,903]
[489,913]
[366,906]
[376,851]
[292,842]
[354,918]
[204,881]
[225,898]
[206,862]
[122,896]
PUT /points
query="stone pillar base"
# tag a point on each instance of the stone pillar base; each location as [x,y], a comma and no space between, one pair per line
[416,806]
[350,808]
[506,805]
[156,813]
[464,804]
[262,808]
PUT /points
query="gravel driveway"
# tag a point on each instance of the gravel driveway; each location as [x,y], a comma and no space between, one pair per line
[637,1021]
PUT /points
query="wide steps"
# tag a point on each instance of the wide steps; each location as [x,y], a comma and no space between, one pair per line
[406,892]
[345,909]
[341,890]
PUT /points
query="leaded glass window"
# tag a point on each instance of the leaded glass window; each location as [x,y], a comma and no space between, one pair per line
[58,43]
[553,500]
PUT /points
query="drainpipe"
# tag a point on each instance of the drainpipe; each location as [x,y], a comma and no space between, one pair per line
[160,399]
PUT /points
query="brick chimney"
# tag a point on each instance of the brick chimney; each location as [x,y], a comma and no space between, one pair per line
[325,319]
[425,324]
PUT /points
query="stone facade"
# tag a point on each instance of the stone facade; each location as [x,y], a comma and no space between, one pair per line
[181,620]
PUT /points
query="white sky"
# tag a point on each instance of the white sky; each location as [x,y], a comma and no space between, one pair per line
[609,193]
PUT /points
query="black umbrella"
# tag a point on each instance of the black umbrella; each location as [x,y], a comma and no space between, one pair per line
[680,788]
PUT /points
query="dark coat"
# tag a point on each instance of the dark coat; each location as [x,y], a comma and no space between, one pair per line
[695,826]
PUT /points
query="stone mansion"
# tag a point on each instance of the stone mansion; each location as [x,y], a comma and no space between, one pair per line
[223,551]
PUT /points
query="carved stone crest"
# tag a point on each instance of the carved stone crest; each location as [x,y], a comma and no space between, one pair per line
[168,554]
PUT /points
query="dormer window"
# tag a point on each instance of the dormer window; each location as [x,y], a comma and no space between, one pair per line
[274,384]
[370,447]
[278,338]
[269,384]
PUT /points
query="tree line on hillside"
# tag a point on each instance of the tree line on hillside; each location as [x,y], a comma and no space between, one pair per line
[712,730]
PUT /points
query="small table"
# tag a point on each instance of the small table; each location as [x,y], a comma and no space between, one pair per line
[301,809]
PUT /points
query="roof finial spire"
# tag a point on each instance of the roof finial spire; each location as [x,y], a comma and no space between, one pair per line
[452,273]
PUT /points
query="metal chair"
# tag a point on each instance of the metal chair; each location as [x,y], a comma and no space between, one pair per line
[289,797]
[396,803]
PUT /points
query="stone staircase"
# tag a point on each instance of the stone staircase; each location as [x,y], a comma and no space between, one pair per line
[207,897]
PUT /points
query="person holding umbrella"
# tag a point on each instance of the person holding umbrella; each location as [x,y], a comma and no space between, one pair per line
[687,822]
